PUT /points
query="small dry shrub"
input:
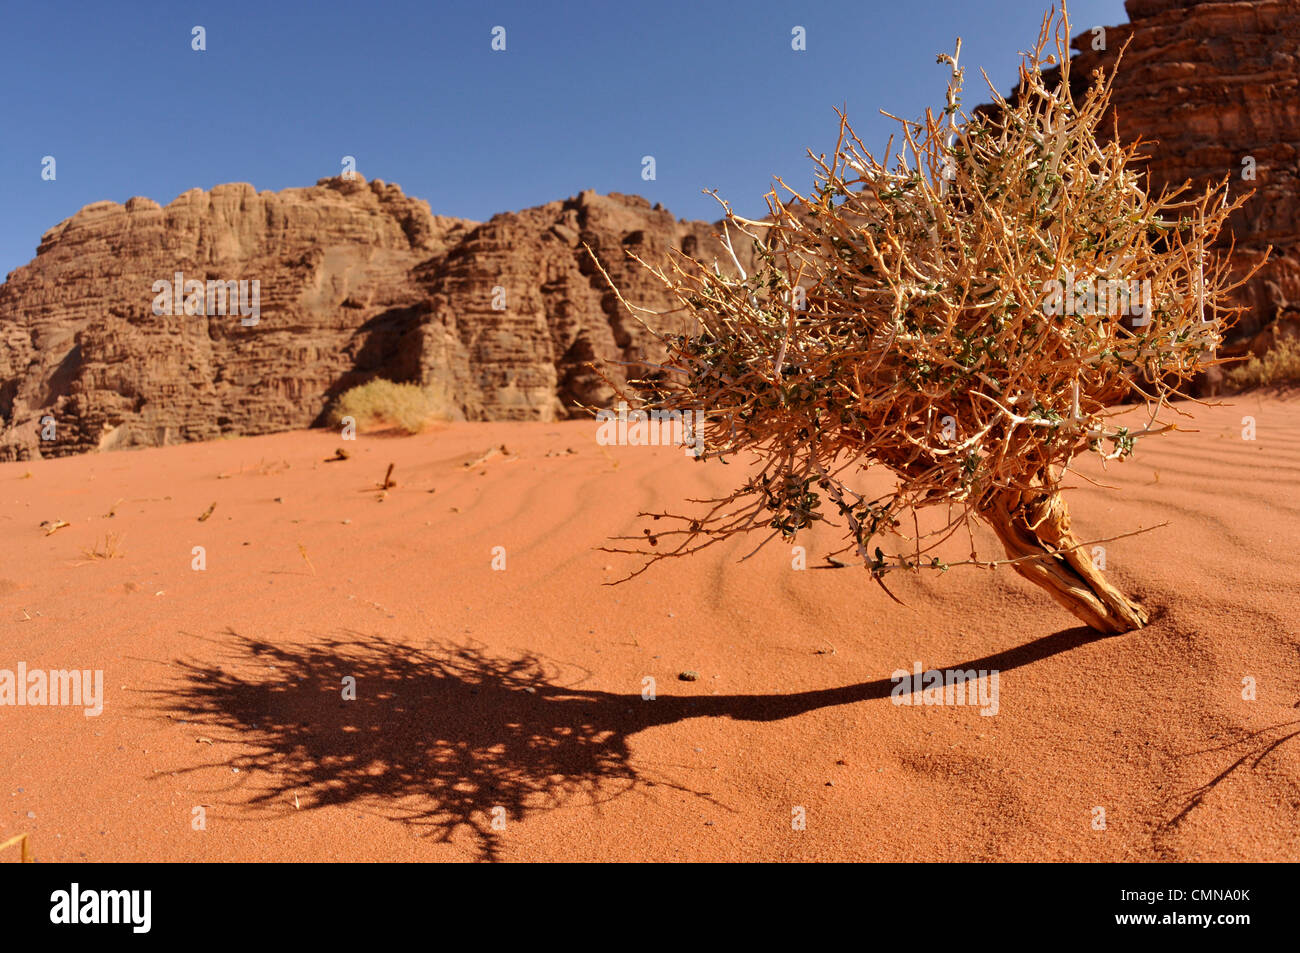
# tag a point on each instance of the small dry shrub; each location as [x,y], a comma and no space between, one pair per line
[380,402]
[1279,365]
[960,311]
[111,548]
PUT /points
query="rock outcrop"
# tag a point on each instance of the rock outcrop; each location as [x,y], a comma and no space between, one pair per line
[355,280]
[1214,89]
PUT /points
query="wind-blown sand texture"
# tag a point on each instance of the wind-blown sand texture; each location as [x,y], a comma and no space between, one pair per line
[522,689]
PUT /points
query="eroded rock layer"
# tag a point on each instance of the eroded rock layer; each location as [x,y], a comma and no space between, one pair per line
[355,280]
[1214,88]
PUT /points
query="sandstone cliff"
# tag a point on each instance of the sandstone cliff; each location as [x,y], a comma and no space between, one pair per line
[1214,88]
[356,280]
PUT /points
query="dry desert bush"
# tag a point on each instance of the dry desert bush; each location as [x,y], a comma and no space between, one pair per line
[381,402]
[1278,365]
[957,311]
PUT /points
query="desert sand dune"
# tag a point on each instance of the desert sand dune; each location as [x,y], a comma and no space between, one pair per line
[485,694]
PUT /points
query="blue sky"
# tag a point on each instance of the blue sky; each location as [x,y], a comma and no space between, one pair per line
[413,90]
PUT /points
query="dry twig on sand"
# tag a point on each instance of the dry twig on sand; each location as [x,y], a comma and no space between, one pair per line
[109,549]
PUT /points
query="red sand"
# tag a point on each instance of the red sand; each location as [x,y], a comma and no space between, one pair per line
[521,689]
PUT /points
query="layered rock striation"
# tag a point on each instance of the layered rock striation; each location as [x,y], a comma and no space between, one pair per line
[354,280]
[1213,89]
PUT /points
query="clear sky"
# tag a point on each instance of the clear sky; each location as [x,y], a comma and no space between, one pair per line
[412,88]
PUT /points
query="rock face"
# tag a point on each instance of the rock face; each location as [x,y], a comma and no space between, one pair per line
[1215,85]
[515,312]
[355,281]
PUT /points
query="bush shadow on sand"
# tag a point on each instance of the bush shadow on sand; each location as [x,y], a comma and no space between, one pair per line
[442,737]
